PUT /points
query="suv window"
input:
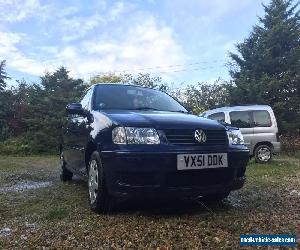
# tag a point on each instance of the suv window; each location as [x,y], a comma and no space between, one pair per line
[261,118]
[240,119]
[220,116]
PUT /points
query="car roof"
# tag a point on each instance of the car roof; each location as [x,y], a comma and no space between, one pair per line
[240,108]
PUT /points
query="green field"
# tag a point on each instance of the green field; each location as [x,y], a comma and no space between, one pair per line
[37,210]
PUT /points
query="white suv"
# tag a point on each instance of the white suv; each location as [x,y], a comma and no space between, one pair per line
[257,124]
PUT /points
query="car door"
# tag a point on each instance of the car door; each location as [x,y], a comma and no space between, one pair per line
[243,121]
[77,134]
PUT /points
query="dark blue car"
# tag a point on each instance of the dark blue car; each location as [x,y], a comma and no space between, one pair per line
[135,142]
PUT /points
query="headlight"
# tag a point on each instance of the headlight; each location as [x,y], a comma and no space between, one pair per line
[130,135]
[235,137]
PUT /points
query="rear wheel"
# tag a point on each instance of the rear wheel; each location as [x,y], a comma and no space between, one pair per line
[65,174]
[100,201]
[263,154]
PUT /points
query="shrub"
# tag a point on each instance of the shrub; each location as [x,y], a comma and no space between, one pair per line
[15,146]
[25,146]
[290,144]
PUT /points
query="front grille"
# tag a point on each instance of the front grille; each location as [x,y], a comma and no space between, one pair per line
[200,178]
[186,136]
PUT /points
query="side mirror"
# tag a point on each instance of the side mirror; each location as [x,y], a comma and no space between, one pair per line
[75,109]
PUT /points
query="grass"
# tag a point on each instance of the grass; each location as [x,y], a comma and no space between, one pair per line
[59,214]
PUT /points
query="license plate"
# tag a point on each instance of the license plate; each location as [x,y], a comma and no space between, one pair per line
[200,161]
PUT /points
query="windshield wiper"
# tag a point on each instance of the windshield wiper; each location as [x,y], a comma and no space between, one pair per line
[178,111]
[149,108]
[145,108]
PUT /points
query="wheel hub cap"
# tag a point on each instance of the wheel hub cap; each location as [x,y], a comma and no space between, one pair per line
[264,154]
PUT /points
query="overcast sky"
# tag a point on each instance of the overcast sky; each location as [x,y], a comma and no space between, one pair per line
[180,40]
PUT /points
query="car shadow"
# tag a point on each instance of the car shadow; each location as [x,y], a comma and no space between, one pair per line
[170,207]
[163,207]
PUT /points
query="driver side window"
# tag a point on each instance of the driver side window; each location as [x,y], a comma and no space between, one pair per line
[86,100]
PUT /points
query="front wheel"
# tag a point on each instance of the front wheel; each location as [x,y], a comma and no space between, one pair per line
[100,201]
[263,154]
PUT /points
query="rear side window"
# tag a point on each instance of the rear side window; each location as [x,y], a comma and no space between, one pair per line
[261,118]
[217,116]
[240,119]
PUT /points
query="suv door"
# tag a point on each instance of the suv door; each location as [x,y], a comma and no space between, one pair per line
[243,121]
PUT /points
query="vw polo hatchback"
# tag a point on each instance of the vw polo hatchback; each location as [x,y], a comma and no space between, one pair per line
[134,142]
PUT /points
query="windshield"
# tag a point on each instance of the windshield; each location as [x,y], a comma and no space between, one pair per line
[134,98]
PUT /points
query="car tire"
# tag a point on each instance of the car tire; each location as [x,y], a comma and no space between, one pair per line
[65,174]
[263,154]
[100,200]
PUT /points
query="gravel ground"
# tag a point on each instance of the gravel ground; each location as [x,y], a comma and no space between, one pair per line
[38,211]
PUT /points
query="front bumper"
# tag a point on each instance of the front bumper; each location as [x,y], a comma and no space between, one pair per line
[154,175]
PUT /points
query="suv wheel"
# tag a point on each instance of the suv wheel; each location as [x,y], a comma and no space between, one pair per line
[263,154]
[100,201]
[65,174]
